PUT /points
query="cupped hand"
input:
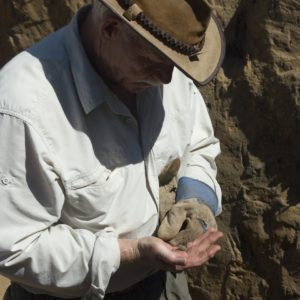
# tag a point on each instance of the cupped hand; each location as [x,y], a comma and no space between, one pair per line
[154,252]
[201,249]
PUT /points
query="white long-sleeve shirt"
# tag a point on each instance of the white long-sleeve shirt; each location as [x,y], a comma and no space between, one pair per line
[77,171]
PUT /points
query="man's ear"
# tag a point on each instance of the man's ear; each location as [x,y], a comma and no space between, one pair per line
[110,27]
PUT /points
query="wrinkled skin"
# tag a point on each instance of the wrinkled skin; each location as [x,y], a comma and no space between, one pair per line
[154,252]
[127,62]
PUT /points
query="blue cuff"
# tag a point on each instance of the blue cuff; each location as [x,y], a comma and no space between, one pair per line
[192,188]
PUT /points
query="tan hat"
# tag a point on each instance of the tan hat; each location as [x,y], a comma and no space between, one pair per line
[185,31]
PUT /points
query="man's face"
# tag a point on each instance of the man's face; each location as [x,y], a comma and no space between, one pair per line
[134,64]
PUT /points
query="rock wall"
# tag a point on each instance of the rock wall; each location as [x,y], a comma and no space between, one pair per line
[255,106]
[4,283]
[24,22]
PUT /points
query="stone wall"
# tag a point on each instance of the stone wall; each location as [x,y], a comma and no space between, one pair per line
[255,106]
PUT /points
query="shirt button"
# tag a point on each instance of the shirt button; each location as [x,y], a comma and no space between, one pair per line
[5,180]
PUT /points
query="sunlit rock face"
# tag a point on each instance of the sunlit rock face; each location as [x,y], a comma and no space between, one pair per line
[255,106]
[24,22]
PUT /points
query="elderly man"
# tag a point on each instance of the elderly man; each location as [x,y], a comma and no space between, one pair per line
[89,119]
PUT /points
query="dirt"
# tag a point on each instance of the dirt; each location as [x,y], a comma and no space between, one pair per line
[255,106]
[4,283]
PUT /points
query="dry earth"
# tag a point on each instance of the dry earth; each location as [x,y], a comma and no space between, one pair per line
[4,283]
[255,106]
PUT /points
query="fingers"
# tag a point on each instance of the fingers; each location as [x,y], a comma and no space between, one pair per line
[161,255]
[203,248]
[197,253]
[211,235]
[185,236]
[203,242]
[211,252]
[191,261]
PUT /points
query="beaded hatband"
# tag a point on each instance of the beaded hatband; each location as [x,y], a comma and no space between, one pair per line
[166,38]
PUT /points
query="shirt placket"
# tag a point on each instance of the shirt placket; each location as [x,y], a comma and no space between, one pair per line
[148,155]
[150,170]
[145,131]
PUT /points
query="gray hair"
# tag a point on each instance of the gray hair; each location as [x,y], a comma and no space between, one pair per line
[99,10]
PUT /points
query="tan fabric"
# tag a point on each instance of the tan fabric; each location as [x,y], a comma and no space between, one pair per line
[186,220]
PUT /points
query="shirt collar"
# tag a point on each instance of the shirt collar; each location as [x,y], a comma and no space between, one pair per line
[91,89]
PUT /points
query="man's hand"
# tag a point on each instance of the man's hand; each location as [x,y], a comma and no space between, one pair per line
[151,252]
[155,253]
[186,220]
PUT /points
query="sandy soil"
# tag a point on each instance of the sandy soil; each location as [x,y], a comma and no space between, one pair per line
[3,285]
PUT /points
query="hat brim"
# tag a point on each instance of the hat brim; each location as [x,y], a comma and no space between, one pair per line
[203,68]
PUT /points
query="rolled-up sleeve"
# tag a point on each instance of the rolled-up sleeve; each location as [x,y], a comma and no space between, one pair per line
[35,249]
[198,161]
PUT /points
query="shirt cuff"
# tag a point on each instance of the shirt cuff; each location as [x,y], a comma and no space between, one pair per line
[192,188]
[105,262]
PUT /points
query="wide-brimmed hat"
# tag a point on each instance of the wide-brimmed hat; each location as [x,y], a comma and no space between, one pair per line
[186,31]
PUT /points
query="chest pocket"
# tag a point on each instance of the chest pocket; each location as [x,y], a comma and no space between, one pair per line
[91,198]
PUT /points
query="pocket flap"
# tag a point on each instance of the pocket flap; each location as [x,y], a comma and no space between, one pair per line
[97,177]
